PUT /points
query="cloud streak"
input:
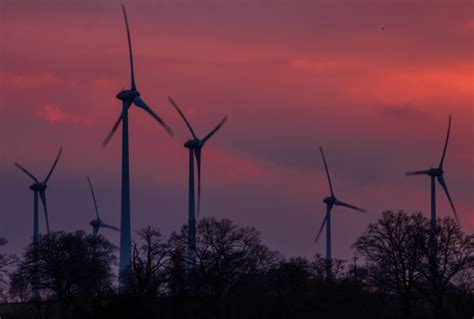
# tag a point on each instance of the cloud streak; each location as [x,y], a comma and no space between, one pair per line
[55,115]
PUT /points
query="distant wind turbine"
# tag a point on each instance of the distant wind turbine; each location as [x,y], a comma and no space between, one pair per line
[97,223]
[128,97]
[330,202]
[437,173]
[39,188]
[194,145]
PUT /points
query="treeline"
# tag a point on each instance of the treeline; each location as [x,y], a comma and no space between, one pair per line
[237,276]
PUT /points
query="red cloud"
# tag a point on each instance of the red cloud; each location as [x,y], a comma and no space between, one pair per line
[54,115]
[319,66]
[23,81]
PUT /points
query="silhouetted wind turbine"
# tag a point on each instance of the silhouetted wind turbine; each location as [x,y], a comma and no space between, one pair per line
[97,223]
[39,188]
[128,97]
[194,145]
[330,202]
[438,174]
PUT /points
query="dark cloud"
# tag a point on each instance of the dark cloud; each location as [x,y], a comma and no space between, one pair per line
[404,112]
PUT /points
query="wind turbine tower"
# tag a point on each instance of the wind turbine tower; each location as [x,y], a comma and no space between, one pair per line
[330,202]
[128,97]
[195,147]
[437,173]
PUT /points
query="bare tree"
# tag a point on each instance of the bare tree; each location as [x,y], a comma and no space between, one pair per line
[226,255]
[454,258]
[68,267]
[6,261]
[149,259]
[394,248]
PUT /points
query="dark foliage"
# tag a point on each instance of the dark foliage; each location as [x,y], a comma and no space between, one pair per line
[6,261]
[237,276]
[72,269]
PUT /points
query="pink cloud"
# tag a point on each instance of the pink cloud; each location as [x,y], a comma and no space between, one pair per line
[25,81]
[415,84]
[54,115]
[319,66]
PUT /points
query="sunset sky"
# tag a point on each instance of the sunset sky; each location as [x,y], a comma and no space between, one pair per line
[373,82]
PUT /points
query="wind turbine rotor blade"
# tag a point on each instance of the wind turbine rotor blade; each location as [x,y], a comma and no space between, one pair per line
[109,226]
[416,173]
[93,197]
[442,182]
[182,116]
[340,203]
[208,136]
[112,132]
[327,170]
[45,208]
[132,73]
[54,165]
[328,211]
[24,170]
[445,144]
[197,154]
[141,104]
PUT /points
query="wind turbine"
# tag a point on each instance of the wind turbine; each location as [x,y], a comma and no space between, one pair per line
[128,98]
[195,146]
[330,202]
[97,223]
[437,173]
[39,188]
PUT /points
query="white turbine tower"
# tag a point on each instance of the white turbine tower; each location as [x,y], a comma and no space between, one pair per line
[39,188]
[437,173]
[128,98]
[194,145]
[330,202]
[97,223]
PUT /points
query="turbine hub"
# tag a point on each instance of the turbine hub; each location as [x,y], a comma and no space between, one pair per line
[193,144]
[329,200]
[128,95]
[94,222]
[38,187]
[434,172]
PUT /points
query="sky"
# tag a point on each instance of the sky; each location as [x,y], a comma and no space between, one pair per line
[373,82]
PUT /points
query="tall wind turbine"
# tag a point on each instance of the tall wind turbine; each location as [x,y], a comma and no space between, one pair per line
[97,223]
[195,146]
[437,173]
[330,202]
[39,188]
[128,97]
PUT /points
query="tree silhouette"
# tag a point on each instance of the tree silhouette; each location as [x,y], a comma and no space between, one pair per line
[149,258]
[71,268]
[394,248]
[455,255]
[6,261]
[237,276]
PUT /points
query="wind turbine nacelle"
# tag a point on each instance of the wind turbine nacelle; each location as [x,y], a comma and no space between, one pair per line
[192,144]
[329,200]
[38,187]
[435,172]
[94,222]
[127,95]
